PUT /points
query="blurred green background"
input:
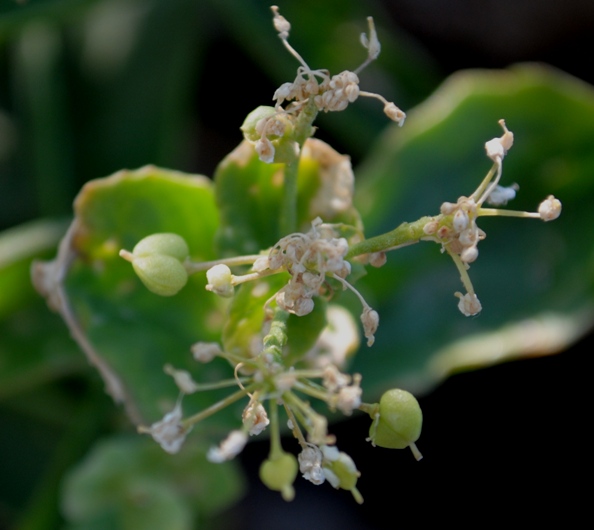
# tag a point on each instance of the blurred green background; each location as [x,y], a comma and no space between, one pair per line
[88,87]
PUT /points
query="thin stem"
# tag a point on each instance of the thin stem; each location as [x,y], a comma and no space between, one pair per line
[406,233]
[275,441]
[236,396]
[489,212]
[192,266]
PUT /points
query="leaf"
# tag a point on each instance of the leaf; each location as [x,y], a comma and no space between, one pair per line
[249,195]
[28,359]
[133,483]
[534,280]
[127,332]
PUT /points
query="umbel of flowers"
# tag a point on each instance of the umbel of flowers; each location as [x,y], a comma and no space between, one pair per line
[312,266]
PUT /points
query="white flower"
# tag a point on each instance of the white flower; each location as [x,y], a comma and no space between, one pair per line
[169,433]
[310,464]
[255,418]
[182,379]
[469,304]
[349,398]
[229,448]
[500,196]
[205,352]
[550,208]
[220,280]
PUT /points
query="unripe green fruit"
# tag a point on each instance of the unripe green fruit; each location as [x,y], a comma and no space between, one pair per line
[166,244]
[162,275]
[157,259]
[279,473]
[400,420]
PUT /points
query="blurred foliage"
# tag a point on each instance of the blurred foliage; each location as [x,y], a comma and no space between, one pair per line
[93,86]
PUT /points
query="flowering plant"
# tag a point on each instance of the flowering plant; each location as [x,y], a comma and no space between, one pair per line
[278,247]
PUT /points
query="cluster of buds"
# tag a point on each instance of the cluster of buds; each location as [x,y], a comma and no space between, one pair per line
[311,259]
[456,228]
[310,92]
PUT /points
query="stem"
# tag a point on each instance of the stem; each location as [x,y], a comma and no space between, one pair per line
[303,130]
[405,234]
[276,449]
[192,266]
[188,422]
[276,338]
[488,212]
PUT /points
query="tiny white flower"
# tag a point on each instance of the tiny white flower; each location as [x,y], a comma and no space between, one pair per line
[220,280]
[370,320]
[169,433]
[265,150]
[204,352]
[501,195]
[349,398]
[371,43]
[469,304]
[394,113]
[498,147]
[229,448]
[255,418]
[182,379]
[310,464]
[550,208]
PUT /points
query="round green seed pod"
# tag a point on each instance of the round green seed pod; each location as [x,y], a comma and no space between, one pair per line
[279,473]
[166,244]
[400,420]
[162,275]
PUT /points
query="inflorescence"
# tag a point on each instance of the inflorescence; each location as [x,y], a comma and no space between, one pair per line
[315,262]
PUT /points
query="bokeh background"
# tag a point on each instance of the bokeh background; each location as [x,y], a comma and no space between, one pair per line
[88,87]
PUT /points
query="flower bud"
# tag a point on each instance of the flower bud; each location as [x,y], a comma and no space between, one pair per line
[398,422]
[279,473]
[220,280]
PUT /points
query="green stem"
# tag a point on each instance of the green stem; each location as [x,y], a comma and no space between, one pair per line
[303,130]
[276,338]
[188,422]
[405,234]
[276,449]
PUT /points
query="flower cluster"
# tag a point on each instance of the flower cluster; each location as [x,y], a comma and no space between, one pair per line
[271,376]
[312,91]
[456,228]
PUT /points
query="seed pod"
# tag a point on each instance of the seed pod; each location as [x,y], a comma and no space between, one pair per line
[166,244]
[399,422]
[157,260]
[279,473]
[162,275]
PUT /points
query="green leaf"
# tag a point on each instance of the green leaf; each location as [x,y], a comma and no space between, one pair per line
[249,195]
[27,358]
[127,332]
[534,280]
[135,484]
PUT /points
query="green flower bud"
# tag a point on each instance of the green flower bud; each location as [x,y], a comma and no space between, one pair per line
[162,275]
[157,260]
[279,473]
[166,244]
[397,421]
